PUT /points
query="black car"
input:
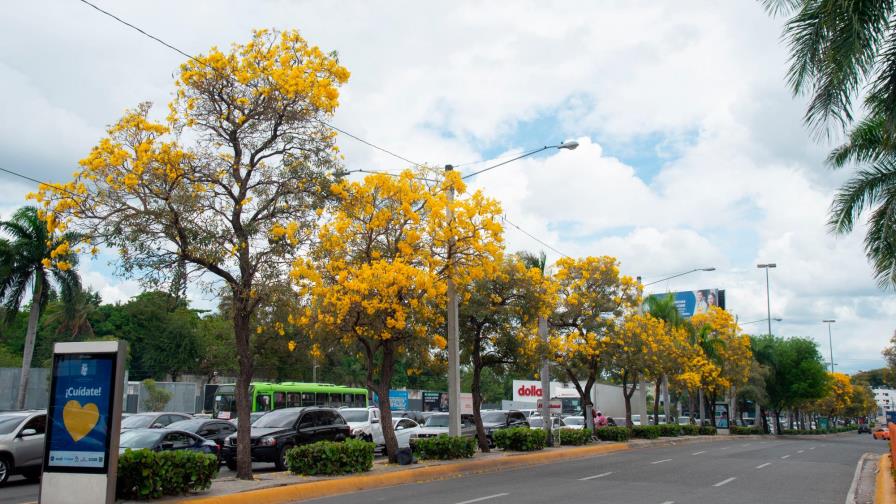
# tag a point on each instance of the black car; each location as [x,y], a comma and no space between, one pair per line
[213,430]
[152,420]
[278,431]
[864,429]
[164,440]
[501,419]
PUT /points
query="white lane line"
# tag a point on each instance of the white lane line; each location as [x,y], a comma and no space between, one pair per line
[760,466]
[725,482]
[699,452]
[660,461]
[785,456]
[800,451]
[725,447]
[746,444]
[601,475]
[479,499]
[811,447]
[669,502]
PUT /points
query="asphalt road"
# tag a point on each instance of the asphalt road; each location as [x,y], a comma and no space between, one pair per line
[804,469]
[797,470]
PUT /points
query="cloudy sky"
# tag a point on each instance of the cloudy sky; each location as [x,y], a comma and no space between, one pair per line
[692,151]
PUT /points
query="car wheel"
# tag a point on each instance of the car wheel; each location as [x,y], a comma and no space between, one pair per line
[5,469]
[32,474]
[340,438]
[280,463]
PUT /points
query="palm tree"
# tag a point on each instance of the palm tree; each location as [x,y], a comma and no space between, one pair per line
[33,257]
[665,309]
[840,50]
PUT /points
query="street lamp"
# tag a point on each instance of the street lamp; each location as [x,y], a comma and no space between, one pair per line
[776,319]
[678,275]
[451,323]
[830,342]
[768,300]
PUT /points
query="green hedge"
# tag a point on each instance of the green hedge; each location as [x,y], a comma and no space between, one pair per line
[444,447]
[329,457]
[519,439]
[645,431]
[612,434]
[708,430]
[145,474]
[745,431]
[669,430]
[575,437]
[690,430]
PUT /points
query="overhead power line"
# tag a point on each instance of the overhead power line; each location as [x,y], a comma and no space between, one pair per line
[530,235]
[197,60]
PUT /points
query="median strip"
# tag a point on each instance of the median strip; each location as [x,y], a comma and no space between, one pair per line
[596,476]
[725,481]
[480,499]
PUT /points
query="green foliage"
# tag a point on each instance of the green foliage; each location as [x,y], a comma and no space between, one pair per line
[444,447]
[708,430]
[145,474]
[690,430]
[328,457]
[796,370]
[745,431]
[520,439]
[669,430]
[645,431]
[156,396]
[574,437]
[612,434]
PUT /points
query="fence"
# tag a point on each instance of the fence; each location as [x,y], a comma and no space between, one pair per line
[37,396]
[184,397]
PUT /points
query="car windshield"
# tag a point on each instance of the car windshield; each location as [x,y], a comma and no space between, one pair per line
[187,425]
[8,423]
[355,415]
[437,421]
[137,421]
[574,420]
[535,422]
[278,419]
[139,439]
[494,417]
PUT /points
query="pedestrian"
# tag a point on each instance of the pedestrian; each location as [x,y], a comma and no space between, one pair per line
[601,420]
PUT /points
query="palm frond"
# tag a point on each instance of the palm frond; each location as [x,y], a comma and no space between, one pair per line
[532,260]
[881,99]
[780,7]
[880,241]
[861,192]
[868,142]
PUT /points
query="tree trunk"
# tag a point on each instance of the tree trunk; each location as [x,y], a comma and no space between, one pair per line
[702,407]
[30,337]
[733,405]
[656,402]
[691,405]
[666,399]
[476,389]
[627,395]
[242,334]
[386,369]
[777,413]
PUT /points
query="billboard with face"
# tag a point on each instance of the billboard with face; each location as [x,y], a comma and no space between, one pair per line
[690,303]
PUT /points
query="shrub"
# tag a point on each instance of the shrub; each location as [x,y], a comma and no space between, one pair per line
[444,447]
[145,474]
[707,430]
[612,434]
[690,430]
[669,430]
[519,439]
[575,437]
[156,397]
[329,457]
[645,431]
[745,431]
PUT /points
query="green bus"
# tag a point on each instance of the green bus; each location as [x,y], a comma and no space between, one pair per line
[271,396]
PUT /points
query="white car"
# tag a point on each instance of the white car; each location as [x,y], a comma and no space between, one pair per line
[537,422]
[574,422]
[404,428]
[364,422]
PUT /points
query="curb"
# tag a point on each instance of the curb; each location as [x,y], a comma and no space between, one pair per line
[326,488]
[884,489]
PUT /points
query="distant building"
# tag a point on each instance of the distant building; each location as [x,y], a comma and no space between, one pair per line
[885,399]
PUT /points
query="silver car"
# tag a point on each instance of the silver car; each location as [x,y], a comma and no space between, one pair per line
[22,443]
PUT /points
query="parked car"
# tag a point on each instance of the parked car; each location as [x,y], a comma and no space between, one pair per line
[529,412]
[165,440]
[22,443]
[437,424]
[864,429]
[253,417]
[417,416]
[881,433]
[537,422]
[363,422]
[278,431]
[152,420]
[213,430]
[685,420]
[502,419]
[404,429]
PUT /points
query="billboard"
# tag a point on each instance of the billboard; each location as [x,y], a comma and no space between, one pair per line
[398,399]
[691,303]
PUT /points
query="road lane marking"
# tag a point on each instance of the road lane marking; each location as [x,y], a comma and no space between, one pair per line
[811,447]
[800,451]
[601,475]
[669,502]
[661,461]
[746,444]
[725,482]
[479,499]
[725,447]
[760,466]
[699,452]
[785,456]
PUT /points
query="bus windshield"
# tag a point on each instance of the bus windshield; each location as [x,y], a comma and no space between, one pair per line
[225,404]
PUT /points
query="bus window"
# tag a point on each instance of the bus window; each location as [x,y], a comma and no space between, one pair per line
[335,400]
[308,399]
[360,400]
[262,402]
[225,405]
[347,400]
[279,400]
[293,399]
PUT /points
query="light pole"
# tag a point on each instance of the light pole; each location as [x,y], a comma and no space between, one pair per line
[451,325]
[830,341]
[776,319]
[768,300]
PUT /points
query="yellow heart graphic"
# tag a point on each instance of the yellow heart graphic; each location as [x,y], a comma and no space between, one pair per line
[79,420]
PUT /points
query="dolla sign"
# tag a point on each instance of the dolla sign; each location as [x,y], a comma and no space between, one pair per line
[81,450]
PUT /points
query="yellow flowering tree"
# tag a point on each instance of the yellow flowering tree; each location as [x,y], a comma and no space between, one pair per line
[498,325]
[377,275]
[837,401]
[592,300]
[227,184]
